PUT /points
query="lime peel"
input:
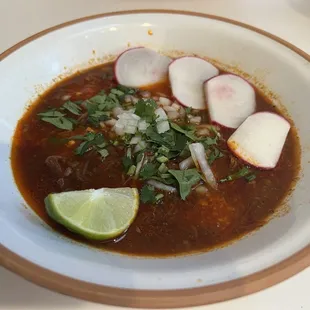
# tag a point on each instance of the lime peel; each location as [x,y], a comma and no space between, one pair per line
[99,214]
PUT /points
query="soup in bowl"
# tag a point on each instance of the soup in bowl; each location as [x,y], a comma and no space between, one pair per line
[156,166]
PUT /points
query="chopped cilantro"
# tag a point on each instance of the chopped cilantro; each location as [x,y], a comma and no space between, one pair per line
[57,119]
[91,140]
[214,155]
[188,110]
[72,107]
[127,162]
[250,177]
[148,194]
[103,153]
[186,179]
[243,172]
[189,132]
[145,109]
[127,90]
[147,171]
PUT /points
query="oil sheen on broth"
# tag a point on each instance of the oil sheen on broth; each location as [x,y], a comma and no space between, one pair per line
[43,163]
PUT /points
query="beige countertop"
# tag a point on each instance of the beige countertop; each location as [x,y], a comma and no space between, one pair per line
[288,19]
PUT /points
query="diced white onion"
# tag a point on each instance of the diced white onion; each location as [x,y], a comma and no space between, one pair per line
[195,120]
[162,186]
[143,125]
[173,115]
[119,131]
[132,122]
[164,101]
[65,97]
[135,140]
[182,112]
[199,157]
[140,146]
[135,116]
[127,98]
[162,126]
[145,94]
[186,163]
[203,132]
[134,100]
[201,189]
[160,115]
[139,166]
[176,106]
[110,122]
[117,111]
[169,108]
[130,129]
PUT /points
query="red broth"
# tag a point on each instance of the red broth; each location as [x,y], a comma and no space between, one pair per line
[200,223]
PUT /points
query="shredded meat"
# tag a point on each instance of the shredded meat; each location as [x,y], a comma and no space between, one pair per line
[54,163]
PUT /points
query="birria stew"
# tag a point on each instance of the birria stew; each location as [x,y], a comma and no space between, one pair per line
[203,156]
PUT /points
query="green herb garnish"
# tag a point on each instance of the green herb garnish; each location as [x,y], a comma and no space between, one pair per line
[188,131]
[145,109]
[148,194]
[214,155]
[243,172]
[188,110]
[72,107]
[57,119]
[127,162]
[147,171]
[186,179]
[91,140]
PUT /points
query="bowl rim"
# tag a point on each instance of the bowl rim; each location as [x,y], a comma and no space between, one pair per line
[156,298]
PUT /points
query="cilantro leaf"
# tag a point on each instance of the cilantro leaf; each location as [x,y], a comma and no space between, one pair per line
[117,92]
[98,99]
[250,177]
[145,109]
[127,163]
[165,180]
[126,90]
[60,122]
[103,153]
[72,107]
[148,194]
[188,132]
[167,138]
[148,170]
[214,155]
[188,110]
[90,140]
[243,172]
[83,148]
[208,141]
[186,179]
[51,113]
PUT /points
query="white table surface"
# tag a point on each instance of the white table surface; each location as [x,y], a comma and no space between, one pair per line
[289,19]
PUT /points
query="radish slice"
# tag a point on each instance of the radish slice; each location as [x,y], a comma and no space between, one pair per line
[140,66]
[260,138]
[186,75]
[230,100]
[199,157]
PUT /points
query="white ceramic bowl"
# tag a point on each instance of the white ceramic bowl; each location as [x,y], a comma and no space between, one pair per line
[30,248]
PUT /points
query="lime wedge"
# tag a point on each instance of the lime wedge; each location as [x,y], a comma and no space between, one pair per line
[95,214]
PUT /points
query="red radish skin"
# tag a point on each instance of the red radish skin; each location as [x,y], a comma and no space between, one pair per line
[187,75]
[260,139]
[140,66]
[230,100]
